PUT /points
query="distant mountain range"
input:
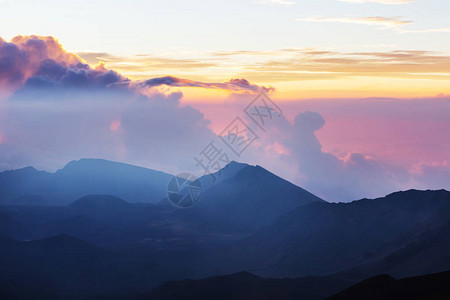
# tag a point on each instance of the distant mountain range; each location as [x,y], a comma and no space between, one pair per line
[80,178]
[111,242]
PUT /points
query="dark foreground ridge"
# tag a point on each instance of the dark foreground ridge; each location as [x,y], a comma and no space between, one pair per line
[426,287]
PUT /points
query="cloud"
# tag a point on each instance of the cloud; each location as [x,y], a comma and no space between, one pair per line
[346,149]
[280,2]
[35,62]
[29,63]
[232,85]
[432,175]
[294,64]
[63,109]
[389,2]
[303,64]
[155,131]
[371,21]
[293,151]
[142,63]
[442,29]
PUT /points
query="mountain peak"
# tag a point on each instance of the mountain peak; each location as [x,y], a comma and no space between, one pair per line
[22,171]
[227,172]
[234,164]
[244,275]
[84,163]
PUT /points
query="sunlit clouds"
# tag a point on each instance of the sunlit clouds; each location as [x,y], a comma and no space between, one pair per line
[363,85]
[234,85]
[63,108]
[305,72]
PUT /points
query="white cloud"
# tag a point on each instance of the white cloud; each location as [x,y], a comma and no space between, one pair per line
[280,2]
[154,131]
[389,2]
[443,29]
[371,21]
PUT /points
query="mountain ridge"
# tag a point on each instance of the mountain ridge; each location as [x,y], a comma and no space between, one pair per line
[83,177]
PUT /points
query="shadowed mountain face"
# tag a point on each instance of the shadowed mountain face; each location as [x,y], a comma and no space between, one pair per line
[99,203]
[249,199]
[69,266]
[323,238]
[433,286]
[242,199]
[244,285]
[427,251]
[81,178]
[9,227]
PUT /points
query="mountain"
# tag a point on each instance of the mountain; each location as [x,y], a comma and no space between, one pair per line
[242,285]
[227,172]
[97,242]
[99,203]
[23,183]
[245,199]
[433,286]
[81,178]
[426,252]
[23,292]
[71,267]
[9,227]
[323,238]
[103,220]
[245,285]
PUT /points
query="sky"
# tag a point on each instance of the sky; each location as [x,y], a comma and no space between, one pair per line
[362,87]
[298,46]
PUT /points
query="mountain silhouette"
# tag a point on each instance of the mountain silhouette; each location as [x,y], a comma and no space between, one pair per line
[244,285]
[323,238]
[246,200]
[93,203]
[71,267]
[81,178]
[89,238]
[432,286]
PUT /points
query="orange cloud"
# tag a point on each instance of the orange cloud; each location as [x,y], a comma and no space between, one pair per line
[24,55]
[41,62]
[41,47]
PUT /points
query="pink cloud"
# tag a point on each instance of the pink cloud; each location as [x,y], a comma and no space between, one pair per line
[115,125]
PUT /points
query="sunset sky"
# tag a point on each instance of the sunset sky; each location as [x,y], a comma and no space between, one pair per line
[320,48]
[375,72]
